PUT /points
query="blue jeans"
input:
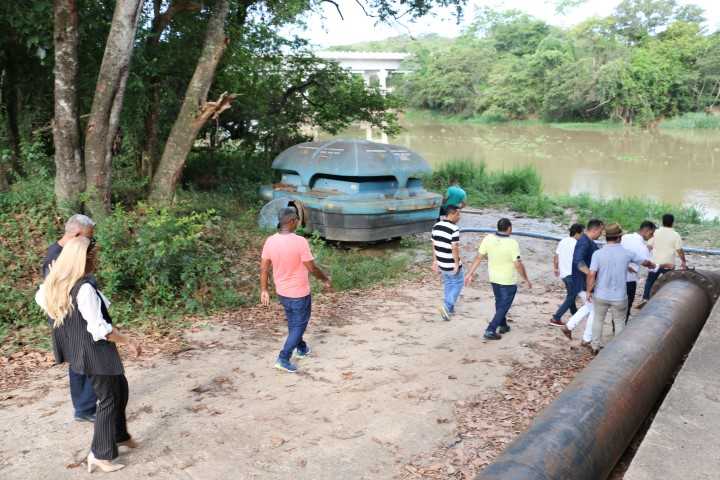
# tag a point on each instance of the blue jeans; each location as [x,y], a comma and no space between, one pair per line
[453,286]
[297,312]
[504,296]
[82,394]
[569,302]
[652,276]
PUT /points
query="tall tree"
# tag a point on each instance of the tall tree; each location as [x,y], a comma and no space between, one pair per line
[195,110]
[151,133]
[107,104]
[69,177]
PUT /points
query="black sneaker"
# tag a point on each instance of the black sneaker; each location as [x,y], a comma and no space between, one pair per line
[504,329]
[492,336]
[303,352]
[85,418]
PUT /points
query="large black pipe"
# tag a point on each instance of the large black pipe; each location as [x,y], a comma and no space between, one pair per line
[584,432]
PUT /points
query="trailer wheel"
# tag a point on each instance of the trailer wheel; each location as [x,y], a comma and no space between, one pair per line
[302,213]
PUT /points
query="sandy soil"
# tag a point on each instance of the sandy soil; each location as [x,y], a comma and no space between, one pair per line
[383,394]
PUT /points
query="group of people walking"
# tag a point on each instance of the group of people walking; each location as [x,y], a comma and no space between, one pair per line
[504,268]
[604,279]
[83,335]
[501,251]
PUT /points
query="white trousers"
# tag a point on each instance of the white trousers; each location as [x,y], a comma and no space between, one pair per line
[585,311]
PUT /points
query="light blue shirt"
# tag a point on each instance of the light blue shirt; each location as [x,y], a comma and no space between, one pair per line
[610,264]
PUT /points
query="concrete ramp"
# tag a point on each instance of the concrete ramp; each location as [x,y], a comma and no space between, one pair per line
[683,441]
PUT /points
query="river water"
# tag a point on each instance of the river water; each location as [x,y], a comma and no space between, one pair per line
[675,166]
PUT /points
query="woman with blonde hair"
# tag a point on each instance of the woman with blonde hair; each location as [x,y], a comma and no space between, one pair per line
[83,336]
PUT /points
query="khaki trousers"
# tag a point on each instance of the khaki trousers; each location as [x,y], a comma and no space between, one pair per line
[618,310]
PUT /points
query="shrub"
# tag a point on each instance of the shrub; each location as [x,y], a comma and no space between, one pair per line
[692,120]
[483,186]
[28,220]
[229,170]
[525,180]
[163,260]
[494,114]
[629,212]
[356,268]
[470,174]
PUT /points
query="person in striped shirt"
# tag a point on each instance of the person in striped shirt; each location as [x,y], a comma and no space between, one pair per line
[446,259]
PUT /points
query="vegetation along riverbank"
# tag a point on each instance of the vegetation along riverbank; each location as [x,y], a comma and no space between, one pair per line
[175,194]
[200,255]
[685,121]
[643,64]
[520,190]
[158,264]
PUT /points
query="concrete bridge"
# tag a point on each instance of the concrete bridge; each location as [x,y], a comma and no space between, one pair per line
[369,64]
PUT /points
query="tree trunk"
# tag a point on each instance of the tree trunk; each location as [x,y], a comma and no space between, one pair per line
[11,101]
[69,176]
[150,144]
[161,20]
[195,111]
[4,181]
[107,104]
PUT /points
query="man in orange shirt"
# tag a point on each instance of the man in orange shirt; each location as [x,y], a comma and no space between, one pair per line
[291,261]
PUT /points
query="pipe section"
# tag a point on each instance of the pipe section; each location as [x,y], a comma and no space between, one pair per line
[557,238]
[584,432]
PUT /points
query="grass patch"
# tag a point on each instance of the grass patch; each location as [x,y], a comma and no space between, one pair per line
[630,212]
[487,118]
[690,120]
[484,186]
[360,268]
[597,125]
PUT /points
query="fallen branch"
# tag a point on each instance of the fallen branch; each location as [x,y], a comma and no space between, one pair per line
[212,110]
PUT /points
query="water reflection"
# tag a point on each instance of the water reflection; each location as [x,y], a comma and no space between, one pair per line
[673,166]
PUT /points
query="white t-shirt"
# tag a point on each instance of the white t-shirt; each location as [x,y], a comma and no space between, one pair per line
[565,250]
[635,243]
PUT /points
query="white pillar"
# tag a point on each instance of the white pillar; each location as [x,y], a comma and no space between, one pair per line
[382,76]
[368,132]
[366,77]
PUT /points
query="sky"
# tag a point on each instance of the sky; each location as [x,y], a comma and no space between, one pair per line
[357,27]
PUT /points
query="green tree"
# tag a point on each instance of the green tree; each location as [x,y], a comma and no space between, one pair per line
[451,78]
[637,20]
[511,31]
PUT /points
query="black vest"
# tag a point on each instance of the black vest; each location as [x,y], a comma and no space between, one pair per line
[72,342]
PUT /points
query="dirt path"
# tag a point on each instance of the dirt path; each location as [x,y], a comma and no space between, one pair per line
[386,389]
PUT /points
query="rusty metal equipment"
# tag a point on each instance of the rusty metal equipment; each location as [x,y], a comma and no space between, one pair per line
[584,432]
[355,190]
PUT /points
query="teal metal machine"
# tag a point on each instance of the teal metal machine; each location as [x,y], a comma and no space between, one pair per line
[355,190]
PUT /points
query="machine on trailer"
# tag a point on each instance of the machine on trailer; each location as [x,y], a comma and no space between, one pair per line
[353,190]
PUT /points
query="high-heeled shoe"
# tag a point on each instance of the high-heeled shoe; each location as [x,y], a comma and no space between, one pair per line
[129,443]
[105,465]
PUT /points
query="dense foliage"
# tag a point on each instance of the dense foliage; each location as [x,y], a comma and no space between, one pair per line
[651,59]
[183,250]
[159,264]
